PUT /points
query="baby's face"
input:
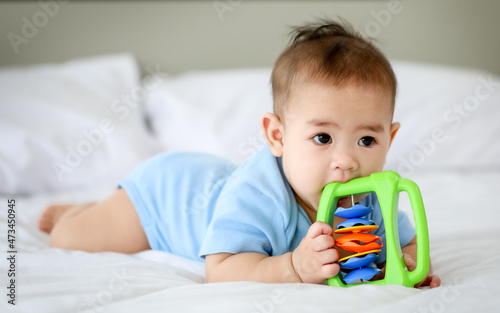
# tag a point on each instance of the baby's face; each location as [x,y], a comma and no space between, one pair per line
[334,135]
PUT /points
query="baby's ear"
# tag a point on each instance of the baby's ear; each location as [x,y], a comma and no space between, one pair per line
[394,129]
[273,129]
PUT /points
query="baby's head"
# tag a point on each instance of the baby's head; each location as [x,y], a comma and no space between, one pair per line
[331,54]
[334,95]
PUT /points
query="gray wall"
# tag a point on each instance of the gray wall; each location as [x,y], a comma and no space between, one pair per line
[180,36]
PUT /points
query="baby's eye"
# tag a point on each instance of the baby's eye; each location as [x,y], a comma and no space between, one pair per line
[322,139]
[366,141]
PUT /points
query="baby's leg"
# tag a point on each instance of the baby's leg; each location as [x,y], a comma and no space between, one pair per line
[110,225]
[51,215]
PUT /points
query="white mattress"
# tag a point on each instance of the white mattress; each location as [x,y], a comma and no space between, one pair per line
[463,225]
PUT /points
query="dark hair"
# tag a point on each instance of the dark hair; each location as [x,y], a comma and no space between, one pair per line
[331,53]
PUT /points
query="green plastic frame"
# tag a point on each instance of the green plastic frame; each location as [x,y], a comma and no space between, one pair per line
[387,185]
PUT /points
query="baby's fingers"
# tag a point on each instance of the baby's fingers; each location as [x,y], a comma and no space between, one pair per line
[411,266]
[328,256]
[435,281]
[318,229]
[323,242]
[430,280]
[409,262]
[330,270]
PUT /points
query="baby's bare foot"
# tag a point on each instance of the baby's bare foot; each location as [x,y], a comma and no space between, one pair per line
[50,216]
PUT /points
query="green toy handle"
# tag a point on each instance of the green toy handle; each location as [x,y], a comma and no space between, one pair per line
[387,185]
[417,205]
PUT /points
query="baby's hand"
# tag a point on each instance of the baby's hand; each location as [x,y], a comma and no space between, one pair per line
[430,280]
[314,259]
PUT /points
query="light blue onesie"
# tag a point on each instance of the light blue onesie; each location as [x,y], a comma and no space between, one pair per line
[194,204]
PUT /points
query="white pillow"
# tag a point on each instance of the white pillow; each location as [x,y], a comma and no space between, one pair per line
[71,125]
[450,119]
[217,112]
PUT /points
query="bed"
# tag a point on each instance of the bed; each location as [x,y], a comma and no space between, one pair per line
[70,130]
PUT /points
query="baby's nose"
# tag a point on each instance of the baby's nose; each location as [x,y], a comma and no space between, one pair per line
[344,159]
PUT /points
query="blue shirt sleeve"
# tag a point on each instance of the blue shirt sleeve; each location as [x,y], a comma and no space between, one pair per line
[256,212]
[243,224]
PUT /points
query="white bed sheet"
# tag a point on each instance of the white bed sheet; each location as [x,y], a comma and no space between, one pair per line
[463,224]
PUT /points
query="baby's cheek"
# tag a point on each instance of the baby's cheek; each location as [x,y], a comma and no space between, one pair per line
[303,188]
[313,193]
[306,181]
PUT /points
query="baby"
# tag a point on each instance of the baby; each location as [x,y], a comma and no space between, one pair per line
[334,96]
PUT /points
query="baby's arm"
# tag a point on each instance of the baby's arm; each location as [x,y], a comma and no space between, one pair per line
[312,261]
[410,252]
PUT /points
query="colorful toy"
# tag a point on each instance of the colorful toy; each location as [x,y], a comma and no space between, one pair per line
[387,185]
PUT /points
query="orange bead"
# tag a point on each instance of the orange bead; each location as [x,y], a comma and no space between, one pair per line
[359,242]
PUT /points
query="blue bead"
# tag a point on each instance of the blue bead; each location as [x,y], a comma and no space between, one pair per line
[359,261]
[357,210]
[365,273]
